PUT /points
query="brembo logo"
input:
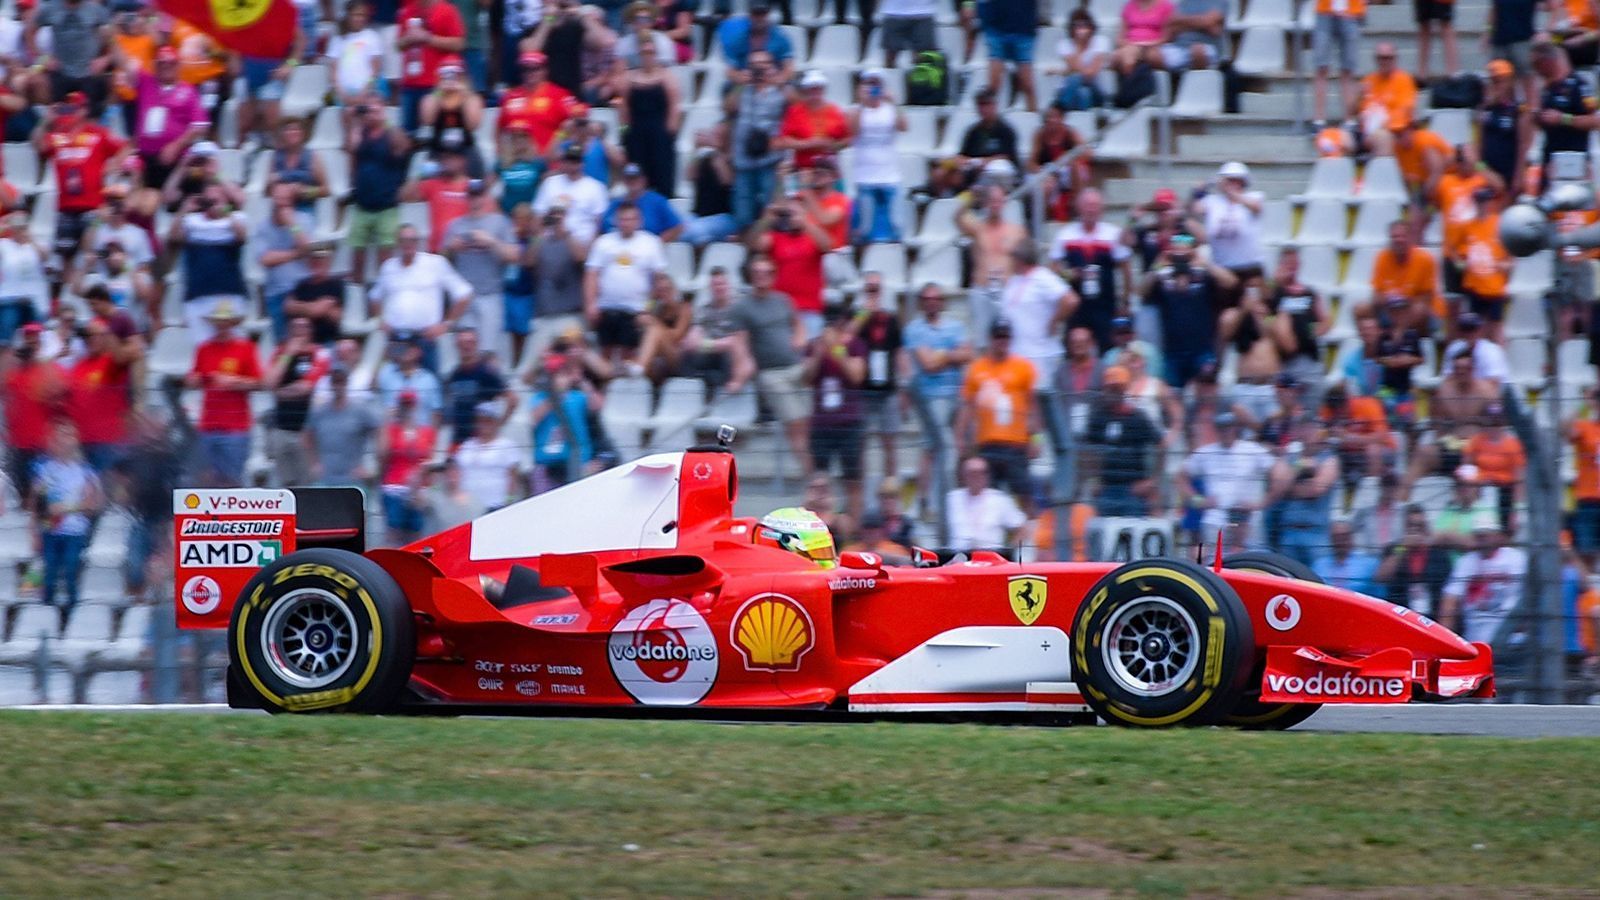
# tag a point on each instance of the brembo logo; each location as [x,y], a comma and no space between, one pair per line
[1344,685]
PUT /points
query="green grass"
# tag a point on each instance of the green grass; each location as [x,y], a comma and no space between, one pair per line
[212,805]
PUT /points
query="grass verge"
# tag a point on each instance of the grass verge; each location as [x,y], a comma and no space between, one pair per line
[218,805]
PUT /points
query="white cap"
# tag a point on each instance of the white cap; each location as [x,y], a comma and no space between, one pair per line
[204,148]
[1467,473]
[1234,169]
[872,75]
[813,78]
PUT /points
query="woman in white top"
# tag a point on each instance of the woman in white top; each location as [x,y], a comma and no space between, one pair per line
[356,55]
[1084,52]
[875,124]
[24,291]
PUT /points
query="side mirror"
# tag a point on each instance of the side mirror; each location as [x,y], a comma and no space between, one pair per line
[857,559]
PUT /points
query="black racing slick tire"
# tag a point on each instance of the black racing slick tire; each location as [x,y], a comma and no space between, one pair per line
[1250,713]
[1160,643]
[322,630]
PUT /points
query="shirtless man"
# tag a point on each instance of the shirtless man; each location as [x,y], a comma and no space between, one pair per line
[1459,404]
[992,239]
[1249,329]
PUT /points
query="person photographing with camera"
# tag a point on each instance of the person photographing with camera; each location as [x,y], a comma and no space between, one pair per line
[210,235]
[83,151]
[796,242]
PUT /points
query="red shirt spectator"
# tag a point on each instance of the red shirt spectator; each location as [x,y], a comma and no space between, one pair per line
[813,127]
[100,399]
[419,63]
[799,262]
[32,390]
[408,446]
[447,201]
[81,150]
[537,106]
[219,366]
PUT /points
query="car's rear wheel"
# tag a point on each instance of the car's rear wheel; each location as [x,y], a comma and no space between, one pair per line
[1250,713]
[321,629]
[1159,643]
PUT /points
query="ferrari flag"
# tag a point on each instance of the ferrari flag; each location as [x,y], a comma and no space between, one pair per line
[262,28]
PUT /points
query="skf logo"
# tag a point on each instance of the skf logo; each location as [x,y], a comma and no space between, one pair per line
[773,632]
[1028,594]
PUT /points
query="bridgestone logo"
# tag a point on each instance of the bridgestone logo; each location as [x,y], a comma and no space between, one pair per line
[233,527]
[661,653]
[1346,685]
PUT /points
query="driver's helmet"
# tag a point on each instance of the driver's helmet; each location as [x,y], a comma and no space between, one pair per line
[799,531]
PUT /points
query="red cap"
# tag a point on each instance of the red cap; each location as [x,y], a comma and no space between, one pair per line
[27,4]
[1166,196]
[452,62]
[166,54]
[77,98]
[531,58]
[33,328]
[408,396]
[578,111]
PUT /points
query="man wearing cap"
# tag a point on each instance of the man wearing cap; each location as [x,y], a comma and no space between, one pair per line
[991,137]
[82,150]
[445,192]
[822,202]
[1093,256]
[380,154]
[1421,156]
[1388,93]
[429,31]
[1232,475]
[297,366]
[583,199]
[1504,133]
[404,372]
[339,433]
[211,235]
[80,54]
[1489,359]
[537,105]
[319,297]
[480,245]
[656,213]
[875,124]
[1186,294]
[1452,197]
[169,114]
[490,462]
[617,280]
[1485,585]
[1338,23]
[1120,438]
[419,293]
[1566,112]
[1231,219]
[759,108]
[1154,223]
[1403,271]
[282,242]
[812,127]
[999,414]
[227,368]
[741,37]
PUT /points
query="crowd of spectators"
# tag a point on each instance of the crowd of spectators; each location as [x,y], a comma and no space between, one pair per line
[427,280]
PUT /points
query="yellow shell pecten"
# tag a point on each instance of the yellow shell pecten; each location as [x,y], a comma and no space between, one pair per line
[772,632]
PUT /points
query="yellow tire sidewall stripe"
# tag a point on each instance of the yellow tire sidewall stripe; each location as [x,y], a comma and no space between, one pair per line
[336,696]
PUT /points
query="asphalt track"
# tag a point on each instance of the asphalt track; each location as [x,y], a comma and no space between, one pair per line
[1497,720]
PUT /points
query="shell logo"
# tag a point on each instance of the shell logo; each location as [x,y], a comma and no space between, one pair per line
[192,501]
[773,633]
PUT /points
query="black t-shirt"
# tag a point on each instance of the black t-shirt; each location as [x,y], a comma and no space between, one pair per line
[1188,312]
[983,140]
[1497,136]
[323,331]
[1570,96]
[881,334]
[1301,307]
[468,386]
[1408,343]
[291,412]
[712,195]
[1123,435]
[1510,21]
[563,50]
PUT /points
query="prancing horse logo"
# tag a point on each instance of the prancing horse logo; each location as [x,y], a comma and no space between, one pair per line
[1028,594]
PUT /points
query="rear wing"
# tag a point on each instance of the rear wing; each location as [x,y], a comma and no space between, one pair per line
[222,538]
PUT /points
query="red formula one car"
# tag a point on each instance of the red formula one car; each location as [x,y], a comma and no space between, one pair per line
[638,587]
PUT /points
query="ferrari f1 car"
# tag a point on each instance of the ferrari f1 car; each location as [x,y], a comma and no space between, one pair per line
[639,587]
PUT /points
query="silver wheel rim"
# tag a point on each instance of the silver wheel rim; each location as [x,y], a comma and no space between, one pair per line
[1150,646]
[309,638]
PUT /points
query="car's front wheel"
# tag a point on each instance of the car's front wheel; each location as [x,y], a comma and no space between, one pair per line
[1250,713]
[1160,643]
[321,629]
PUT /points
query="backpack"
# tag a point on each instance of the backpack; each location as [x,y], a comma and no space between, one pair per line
[1464,91]
[928,82]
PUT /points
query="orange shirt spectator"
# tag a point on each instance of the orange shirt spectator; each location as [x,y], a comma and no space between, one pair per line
[1350,9]
[1486,266]
[1417,275]
[140,49]
[199,60]
[1580,16]
[1585,434]
[1453,198]
[1498,455]
[1363,416]
[1388,97]
[1420,154]
[447,201]
[1334,141]
[1044,534]
[813,119]
[1000,393]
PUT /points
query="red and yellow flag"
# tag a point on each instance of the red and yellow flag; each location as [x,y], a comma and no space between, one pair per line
[262,28]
